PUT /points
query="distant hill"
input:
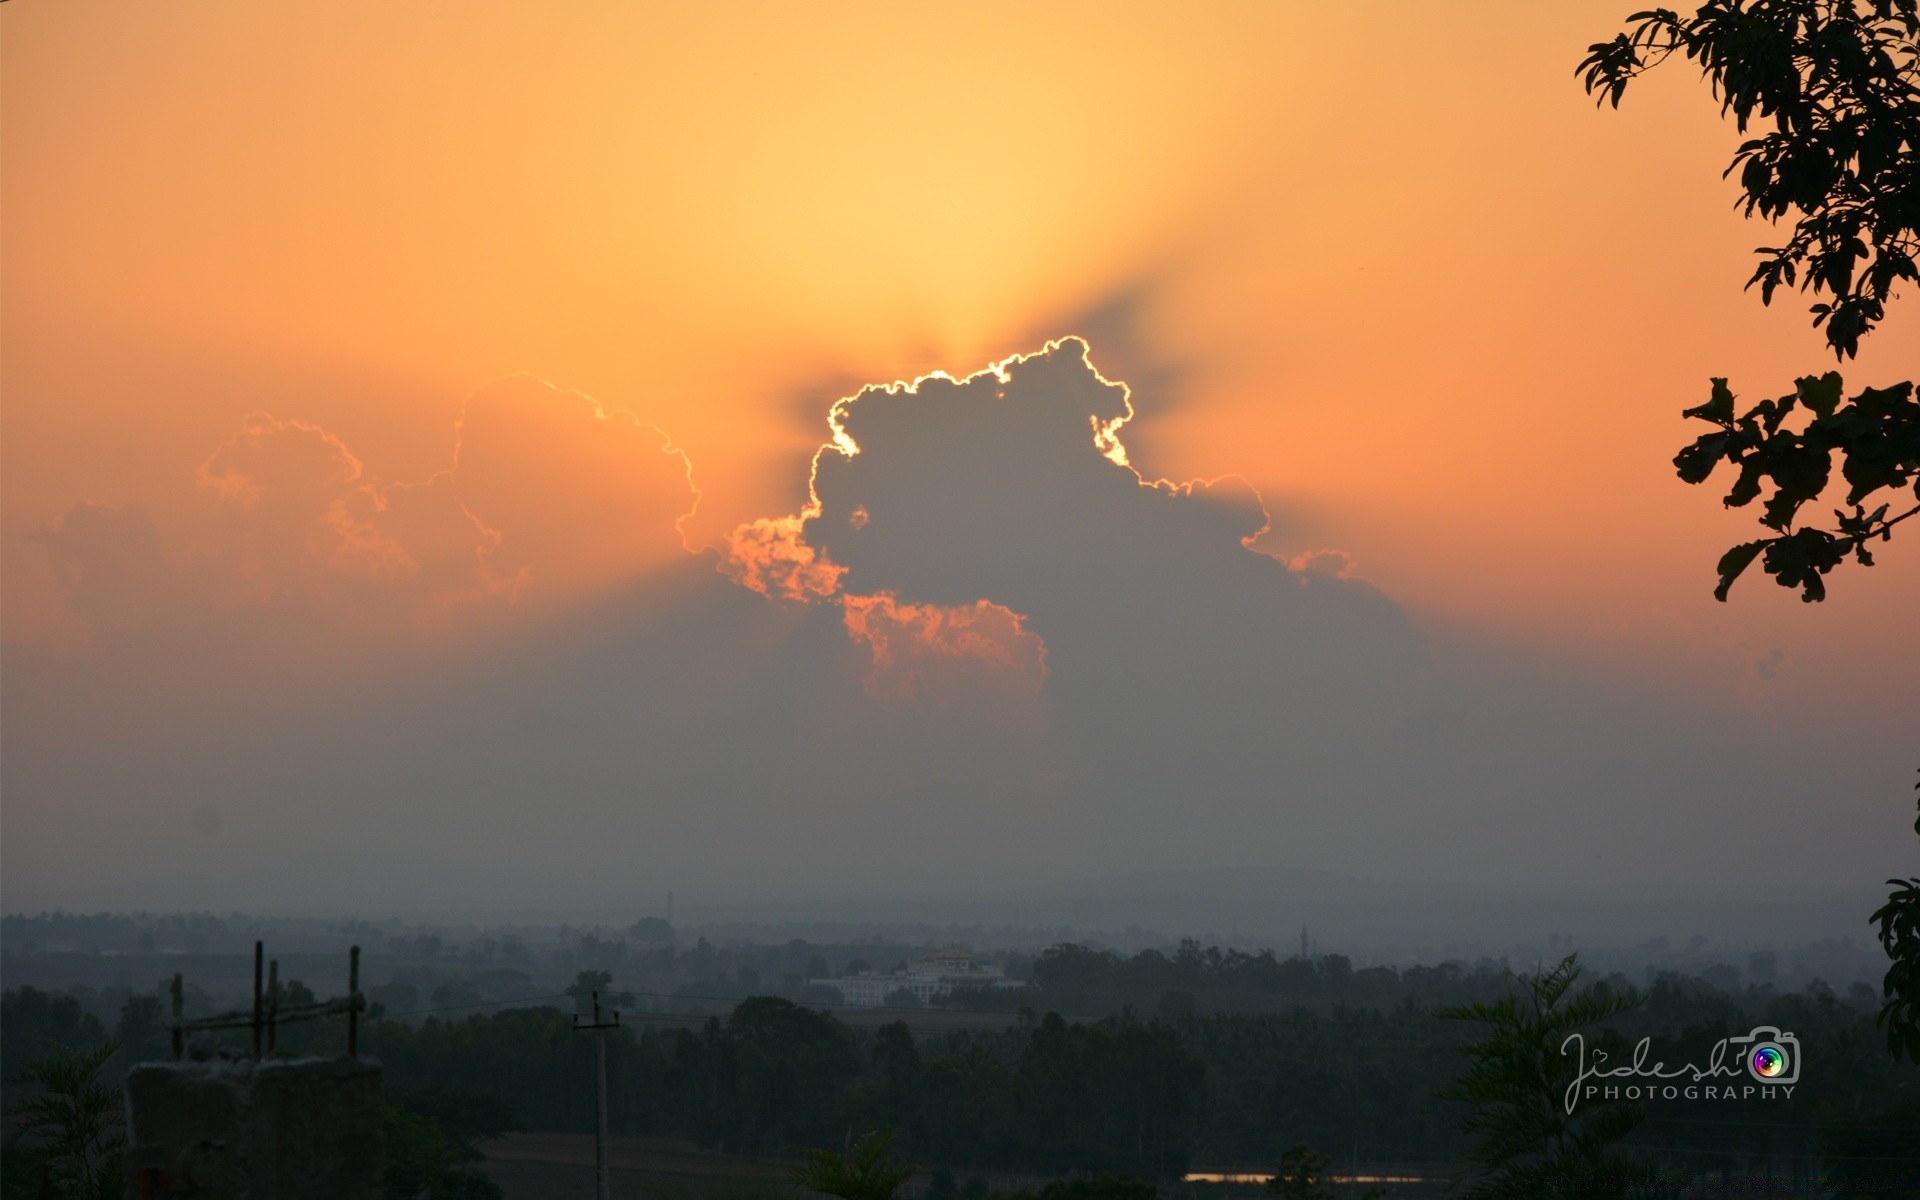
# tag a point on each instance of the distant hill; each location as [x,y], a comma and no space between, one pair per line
[1250,904]
[1274,884]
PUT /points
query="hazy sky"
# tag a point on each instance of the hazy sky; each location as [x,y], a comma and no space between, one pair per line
[419,482]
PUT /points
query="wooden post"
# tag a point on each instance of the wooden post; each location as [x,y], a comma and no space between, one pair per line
[179,1005]
[353,1003]
[273,1004]
[259,953]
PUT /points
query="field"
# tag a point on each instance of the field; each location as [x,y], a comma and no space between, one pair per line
[559,1166]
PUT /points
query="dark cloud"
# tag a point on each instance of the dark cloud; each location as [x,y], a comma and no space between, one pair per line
[1165,630]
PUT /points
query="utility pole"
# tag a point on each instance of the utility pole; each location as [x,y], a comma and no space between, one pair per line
[602,1181]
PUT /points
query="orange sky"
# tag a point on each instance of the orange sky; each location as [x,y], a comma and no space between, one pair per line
[1388,263]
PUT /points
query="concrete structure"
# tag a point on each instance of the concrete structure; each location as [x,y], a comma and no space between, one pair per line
[938,973]
[287,1129]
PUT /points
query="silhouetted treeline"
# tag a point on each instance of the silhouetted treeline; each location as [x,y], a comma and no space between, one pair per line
[1196,981]
[1123,1094]
[1168,1081]
[1047,1095]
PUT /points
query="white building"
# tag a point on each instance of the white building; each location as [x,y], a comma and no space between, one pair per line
[938,973]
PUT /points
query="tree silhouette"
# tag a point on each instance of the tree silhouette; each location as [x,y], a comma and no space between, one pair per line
[1528,1141]
[73,1126]
[1899,921]
[859,1173]
[1837,80]
[586,983]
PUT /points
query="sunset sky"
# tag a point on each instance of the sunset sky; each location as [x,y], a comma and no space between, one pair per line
[410,411]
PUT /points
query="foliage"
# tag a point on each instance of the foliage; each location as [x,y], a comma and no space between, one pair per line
[421,1165]
[1837,79]
[1196,979]
[651,931]
[1525,1143]
[1899,920]
[777,1072]
[527,1056]
[1265,1051]
[1877,435]
[464,1119]
[68,1136]
[31,1022]
[860,1172]
[1085,1084]
[415,1152]
[142,1030]
[1301,1176]
[587,983]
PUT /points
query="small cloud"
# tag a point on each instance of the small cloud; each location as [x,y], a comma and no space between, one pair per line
[978,655]
[1336,564]
[291,513]
[772,557]
[549,494]
[279,464]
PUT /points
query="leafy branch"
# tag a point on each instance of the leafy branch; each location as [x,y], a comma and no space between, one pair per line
[1899,921]
[1877,435]
[1838,79]
[73,1123]
[859,1173]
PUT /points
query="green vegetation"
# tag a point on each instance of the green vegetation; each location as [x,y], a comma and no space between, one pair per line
[860,1172]
[1251,1055]
[427,1162]
[1531,1140]
[67,1134]
[33,1022]
[1146,1099]
[1836,79]
[1899,922]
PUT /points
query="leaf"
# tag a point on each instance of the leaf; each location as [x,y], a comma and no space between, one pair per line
[1821,394]
[1696,462]
[1718,409]
[1733,562]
